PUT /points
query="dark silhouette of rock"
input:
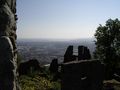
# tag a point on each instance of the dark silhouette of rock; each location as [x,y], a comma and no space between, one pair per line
[7,63]
[29,67]
[54,66]
[69,54]
[54,70]
[8,49]
[83,53]
[82,75]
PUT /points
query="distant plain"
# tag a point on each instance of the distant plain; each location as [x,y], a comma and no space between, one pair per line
[45,50]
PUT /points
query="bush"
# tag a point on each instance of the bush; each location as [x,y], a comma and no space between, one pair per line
[37,82]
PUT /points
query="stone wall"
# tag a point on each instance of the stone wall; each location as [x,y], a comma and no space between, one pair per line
[82,75]
[8,50]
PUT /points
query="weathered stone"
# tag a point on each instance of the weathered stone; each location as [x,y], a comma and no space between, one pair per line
[82,75]
[7,20]
[54,66]
[83,53]
[8,49]
[69,54]
[7,65]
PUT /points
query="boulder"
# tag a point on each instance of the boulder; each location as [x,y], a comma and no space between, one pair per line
[29,67]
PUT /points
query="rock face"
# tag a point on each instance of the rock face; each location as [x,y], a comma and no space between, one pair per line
[54,66]
[69,54]
[8,50]
[82,75]
[83,53]
[29,67]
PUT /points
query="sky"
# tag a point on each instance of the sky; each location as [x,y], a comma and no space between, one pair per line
[63,19]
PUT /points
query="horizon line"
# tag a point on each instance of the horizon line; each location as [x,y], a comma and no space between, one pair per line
[57,38]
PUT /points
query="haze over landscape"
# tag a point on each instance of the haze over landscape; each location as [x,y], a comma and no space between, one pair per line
[45,51]
[63,19]
[44,25]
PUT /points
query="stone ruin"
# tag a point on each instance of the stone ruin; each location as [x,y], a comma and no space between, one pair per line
[81,73]
[83,54]
[8,50]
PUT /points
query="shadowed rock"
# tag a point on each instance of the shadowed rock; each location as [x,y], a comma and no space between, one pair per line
[82,75]
[7,68]
[54,66]
[8,49]
[29,67]
[83,53]
[69,55]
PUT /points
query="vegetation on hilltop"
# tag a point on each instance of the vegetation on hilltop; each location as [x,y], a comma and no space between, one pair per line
[108,44]
[39,81]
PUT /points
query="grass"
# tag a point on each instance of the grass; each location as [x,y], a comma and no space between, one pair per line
[39,81]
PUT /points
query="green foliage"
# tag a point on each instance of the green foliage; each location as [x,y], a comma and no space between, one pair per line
[37,81]
[108,43]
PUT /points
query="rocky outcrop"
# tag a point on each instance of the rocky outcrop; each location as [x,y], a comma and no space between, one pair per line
[69,54]
[83,53]
[54,66]
[8,50]
[82,75]
[29,67]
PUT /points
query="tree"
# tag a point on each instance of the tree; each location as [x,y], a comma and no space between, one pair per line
[108,43]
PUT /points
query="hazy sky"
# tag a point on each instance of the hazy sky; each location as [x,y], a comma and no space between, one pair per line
[63,19]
